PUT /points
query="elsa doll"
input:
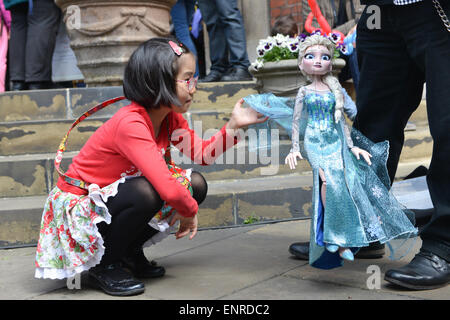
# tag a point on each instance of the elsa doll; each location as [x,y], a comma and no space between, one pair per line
[352,205]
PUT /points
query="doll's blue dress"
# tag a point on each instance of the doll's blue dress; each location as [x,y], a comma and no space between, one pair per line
[359,207]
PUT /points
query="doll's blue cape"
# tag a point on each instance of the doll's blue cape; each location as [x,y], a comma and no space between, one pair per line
[371,188]
[280,111]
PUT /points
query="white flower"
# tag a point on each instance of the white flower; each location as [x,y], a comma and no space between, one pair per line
[267,44]
[280,39]
[257,64]
[261,50]
[293,45]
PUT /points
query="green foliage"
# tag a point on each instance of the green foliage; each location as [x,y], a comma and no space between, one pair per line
[251,219]
[279,53]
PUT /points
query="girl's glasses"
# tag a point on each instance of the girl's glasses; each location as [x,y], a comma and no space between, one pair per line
[191,83]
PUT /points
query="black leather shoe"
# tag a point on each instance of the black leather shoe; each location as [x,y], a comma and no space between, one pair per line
[18,85]
[425,271]
[213,76]
[238,74]
[138,264]
[300,250]
[40,85]
[115,281]
[374,251]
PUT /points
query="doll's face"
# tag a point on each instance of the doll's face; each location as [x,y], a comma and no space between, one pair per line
[316,61]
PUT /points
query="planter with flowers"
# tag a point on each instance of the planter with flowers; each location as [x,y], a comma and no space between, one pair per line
[276,67]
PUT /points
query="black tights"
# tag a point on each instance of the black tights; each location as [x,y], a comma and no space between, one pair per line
[131,209]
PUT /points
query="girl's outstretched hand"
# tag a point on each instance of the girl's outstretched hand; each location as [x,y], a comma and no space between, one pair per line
[187,224]
[242,117]
[360,152]
[291,159]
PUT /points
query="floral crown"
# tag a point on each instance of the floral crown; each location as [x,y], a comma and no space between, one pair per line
[336,38]
[282,47]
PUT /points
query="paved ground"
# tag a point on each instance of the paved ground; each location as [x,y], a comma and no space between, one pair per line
[250,263]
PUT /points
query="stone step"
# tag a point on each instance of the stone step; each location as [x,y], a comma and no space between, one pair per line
[18,138]
[34,174]
[42,136]
[35,121]
[417,144]
[68,104]
[30,175]
[228,204]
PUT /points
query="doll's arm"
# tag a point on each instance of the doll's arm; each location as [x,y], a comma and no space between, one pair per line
[347,135]
[355,150]
[295,120]
[349,106]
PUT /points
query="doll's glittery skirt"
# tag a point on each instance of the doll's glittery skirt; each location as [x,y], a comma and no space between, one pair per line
[358,208]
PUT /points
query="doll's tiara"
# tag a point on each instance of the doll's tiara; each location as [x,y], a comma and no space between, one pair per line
[340,47]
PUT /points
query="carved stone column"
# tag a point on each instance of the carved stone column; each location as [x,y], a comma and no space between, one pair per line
[103,34]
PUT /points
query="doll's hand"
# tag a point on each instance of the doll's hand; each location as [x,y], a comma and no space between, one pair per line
[357,152]
[291,159]
[242,117]
[187,224]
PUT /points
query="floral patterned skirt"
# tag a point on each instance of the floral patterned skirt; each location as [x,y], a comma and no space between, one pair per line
[69,241]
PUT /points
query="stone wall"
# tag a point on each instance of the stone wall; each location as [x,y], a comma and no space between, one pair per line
[279,8]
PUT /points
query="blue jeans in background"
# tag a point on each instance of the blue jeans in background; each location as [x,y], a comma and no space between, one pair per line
[227,42]
[182,13]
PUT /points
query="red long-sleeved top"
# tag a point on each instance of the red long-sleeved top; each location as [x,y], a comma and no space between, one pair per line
[126,145]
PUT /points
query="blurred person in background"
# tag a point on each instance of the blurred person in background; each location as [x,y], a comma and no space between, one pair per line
[33,34]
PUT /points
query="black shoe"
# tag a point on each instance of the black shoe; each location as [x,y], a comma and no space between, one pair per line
[300,250]
[425,271]
[39,85]
[213,76]
[374,251]
[115,281]
[18,85]
[238,74]
[138,264]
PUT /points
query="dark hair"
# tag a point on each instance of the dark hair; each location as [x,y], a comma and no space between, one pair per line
[285,25]
[149,77]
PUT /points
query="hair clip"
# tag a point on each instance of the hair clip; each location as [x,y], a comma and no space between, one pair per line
[176,48]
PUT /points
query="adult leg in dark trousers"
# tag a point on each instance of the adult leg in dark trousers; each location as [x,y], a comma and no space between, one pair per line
[227,42]
[32,44]
[411,47]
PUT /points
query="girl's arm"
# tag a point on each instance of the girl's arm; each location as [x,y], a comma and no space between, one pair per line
[205,152]
[134,142]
